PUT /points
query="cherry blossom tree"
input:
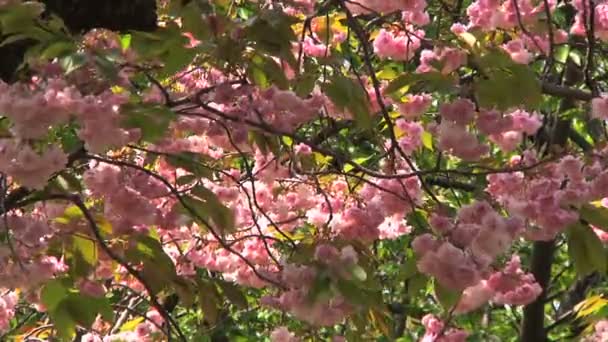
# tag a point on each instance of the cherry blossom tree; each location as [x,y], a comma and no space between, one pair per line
[302,170]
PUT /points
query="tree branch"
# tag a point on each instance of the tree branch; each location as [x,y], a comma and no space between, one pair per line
[533,325]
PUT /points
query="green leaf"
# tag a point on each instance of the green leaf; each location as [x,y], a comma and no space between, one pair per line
[53,293]
[72,62]
[427,140]
[304,83]
[70,214]
[351,292]
[447,297]
[125,41]
[85,248]
[158,268]
[83,309]
[271,31]
[359,161]
[409,269]
[152,120]
[192,21]
[67,307]
[561,53]
[190,162]
[506,84]
[176,59]
[186,291]
[264,71]
[64,322]
[358,273]
[234,294]
[20,17]
[222,216]
[416,283]
[58,49]
[428,81]
[208,301]
[187,179]
[596,216]
[586,250]
[358,294]
[346,93]
[321,288]
[196,209]
[82,257]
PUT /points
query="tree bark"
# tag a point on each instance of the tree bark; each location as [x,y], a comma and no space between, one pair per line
[533,327]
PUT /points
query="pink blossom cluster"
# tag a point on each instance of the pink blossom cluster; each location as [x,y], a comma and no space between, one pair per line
[412,135]
[513,286]
[8,302]
[295,300]
[281,109]
[453,134]
[29,271]
[600,332]
[146,331]
[468,245]
[129,197]
[25,265]
[510,286]
[398,45]
[489,15]
[26,166]
[492,14]
[601,234]
[599,108]
[449,60]
[505,130]
[34,108]
[387,200]
[541,42]
[299,279]
[414,105]
[394,227]
[313,48]
[437,332]
[545,197]
[282,334]
[600,14]
[413,10]
[518,52]
[216,258]
[32,113]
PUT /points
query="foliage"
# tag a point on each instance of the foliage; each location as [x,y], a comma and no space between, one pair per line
[305,170]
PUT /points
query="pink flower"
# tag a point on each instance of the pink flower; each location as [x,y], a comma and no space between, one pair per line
[313,49]
[513,286]
[474,297]
[415,105]
[460,111]
[599,108]
[601,234]
[435,331]
[27,166]
[400,46]
[525,122]
[515,48]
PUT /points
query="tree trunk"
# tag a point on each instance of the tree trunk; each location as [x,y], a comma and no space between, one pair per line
[533,327]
